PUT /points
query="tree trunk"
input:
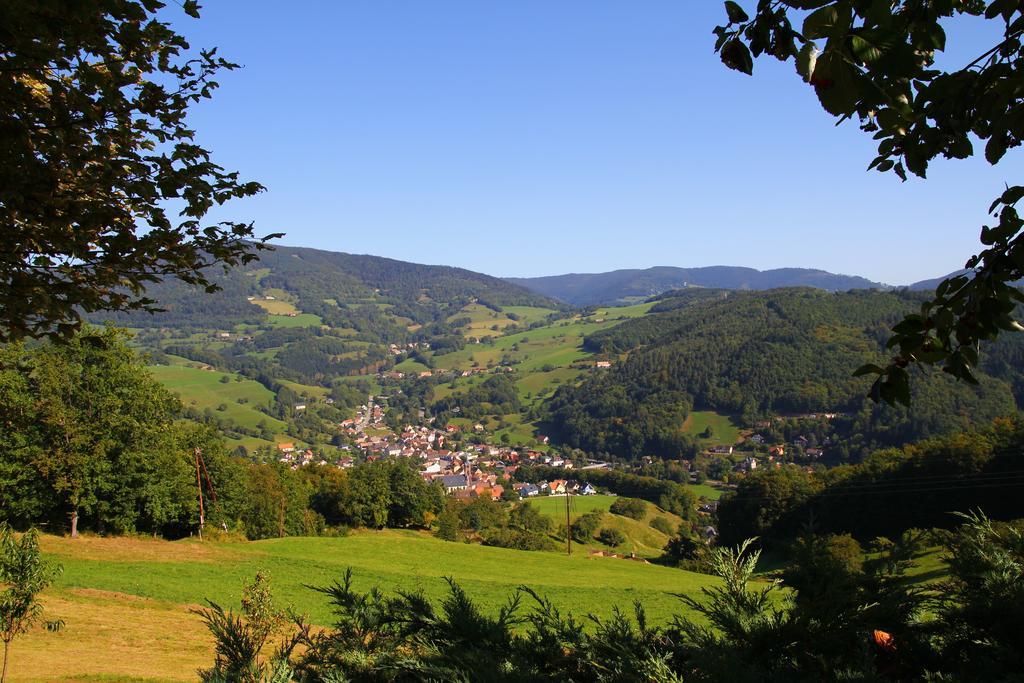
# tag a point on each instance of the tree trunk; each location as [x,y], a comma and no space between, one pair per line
[74,525]
[3,674]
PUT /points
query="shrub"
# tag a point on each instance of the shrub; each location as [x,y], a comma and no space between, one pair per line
[584,527]
[611,537]
[517,540]
[629,507]
[664,525]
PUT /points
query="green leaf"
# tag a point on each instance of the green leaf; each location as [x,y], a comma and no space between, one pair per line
[735,55]
[828,22]
[835,82]
[996,148]
[735,12]
[868,369]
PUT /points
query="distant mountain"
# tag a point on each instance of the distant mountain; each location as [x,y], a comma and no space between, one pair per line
[332,285]
[583,289]
[930,285]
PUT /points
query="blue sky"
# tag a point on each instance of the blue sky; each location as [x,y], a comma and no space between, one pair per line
[534,138]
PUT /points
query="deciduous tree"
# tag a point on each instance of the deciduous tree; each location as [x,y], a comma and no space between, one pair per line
[103,188]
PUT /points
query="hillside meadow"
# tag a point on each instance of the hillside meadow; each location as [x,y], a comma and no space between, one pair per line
[201,389]
[641,538]
[125,601]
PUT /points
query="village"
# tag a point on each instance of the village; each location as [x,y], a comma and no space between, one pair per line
[472,468]
[465,470]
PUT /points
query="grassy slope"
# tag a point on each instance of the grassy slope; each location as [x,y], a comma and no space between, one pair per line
[128,598]
[722,427]
[641,538]
[409,365]
[482,319]
[556,345]
[276,306]
[187,572]
[623,312]
[201,389]
[306,390]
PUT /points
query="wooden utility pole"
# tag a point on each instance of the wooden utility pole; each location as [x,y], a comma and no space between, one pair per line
[568,525]
[199,485]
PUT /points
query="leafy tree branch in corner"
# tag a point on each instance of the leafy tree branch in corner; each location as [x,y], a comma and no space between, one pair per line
[875,60]
[97,154]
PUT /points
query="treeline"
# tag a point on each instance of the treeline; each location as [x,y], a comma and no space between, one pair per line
[891,491]
[186,306]
[604,415]
[521,527]
[93,442]
[496,394]
[668,495]
[761,354]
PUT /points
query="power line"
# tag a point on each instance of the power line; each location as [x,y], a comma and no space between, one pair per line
[882,490]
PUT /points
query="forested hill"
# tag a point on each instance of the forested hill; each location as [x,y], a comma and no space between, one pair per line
[584,289]
[762,354]
[325,284]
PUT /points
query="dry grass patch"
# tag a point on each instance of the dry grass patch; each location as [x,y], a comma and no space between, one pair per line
[112,636]
[133,549]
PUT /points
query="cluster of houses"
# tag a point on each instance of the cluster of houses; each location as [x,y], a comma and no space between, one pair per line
[444,372]
[555,487]
[296,457]
[761,455]
[369,415]
[399,349]
[474,470]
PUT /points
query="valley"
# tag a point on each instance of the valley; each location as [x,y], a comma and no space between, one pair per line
[297,342]
[413,423]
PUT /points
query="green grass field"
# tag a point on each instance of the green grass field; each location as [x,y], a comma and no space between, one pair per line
[540,383]
[528,314]
[202,389]
[125,601]
[554,506]
[275,306]
[306,390]
[391,559]
[482,320]
[519,433]
[623,312]
[410,366]
[724,431]
[300,320]
[705,491]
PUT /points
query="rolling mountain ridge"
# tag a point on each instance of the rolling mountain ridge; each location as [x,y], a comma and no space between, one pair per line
[586,289]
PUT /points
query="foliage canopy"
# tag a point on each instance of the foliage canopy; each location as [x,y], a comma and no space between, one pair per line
[97,154]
